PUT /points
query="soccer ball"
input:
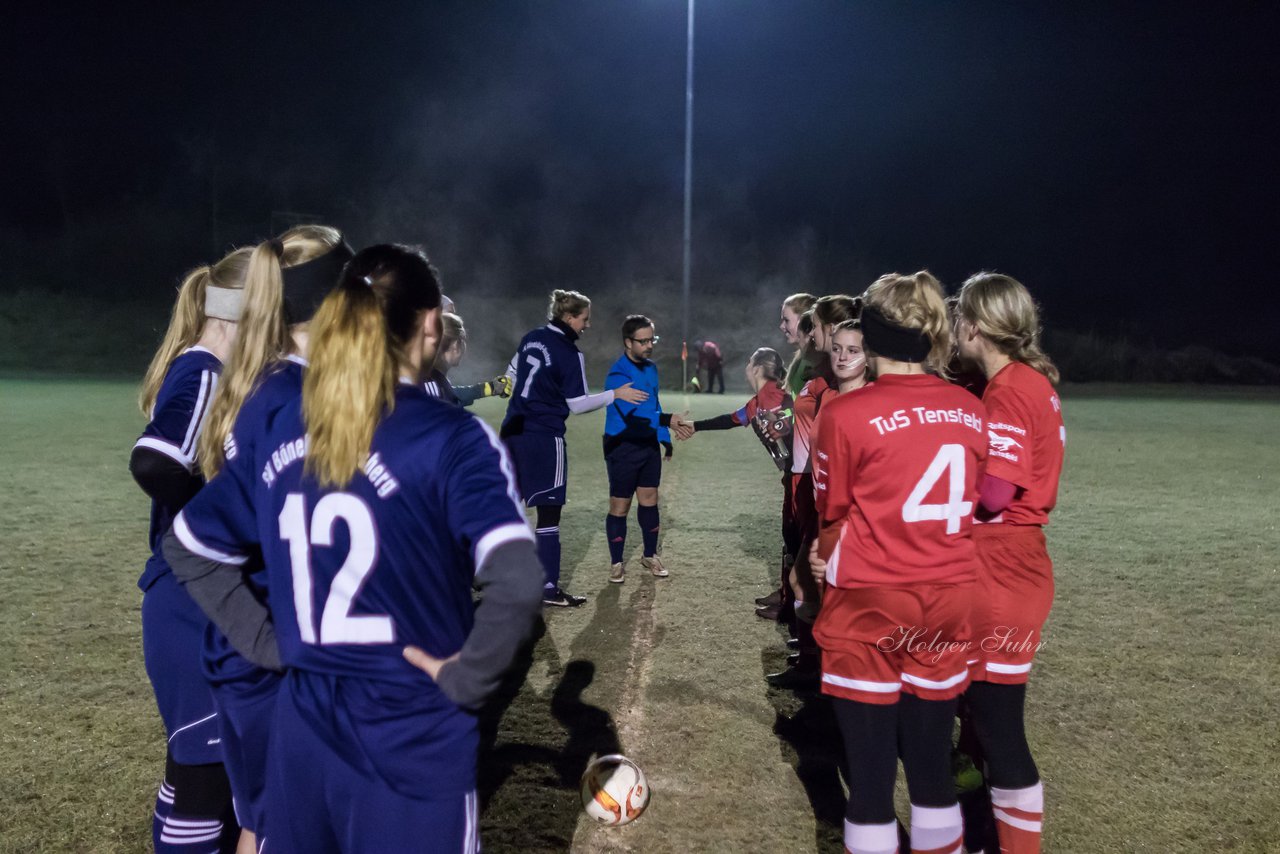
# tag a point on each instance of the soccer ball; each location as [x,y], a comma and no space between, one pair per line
[614,790]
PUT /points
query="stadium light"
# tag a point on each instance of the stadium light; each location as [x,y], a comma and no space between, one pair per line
[688,202]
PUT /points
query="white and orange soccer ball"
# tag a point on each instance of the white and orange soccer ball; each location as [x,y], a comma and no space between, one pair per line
[614,790]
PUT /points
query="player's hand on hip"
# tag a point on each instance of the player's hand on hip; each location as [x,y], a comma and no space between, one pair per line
[629,394]
[426,662]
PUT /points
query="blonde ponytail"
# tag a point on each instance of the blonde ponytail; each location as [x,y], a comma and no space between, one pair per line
[185,325]
[916,302]
[263,335]
[359,338]
[349,383]
[1003,311]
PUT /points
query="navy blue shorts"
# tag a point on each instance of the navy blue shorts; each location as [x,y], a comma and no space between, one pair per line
[246,699]
[172,636]
[542,468]
[631,465]
[319,802]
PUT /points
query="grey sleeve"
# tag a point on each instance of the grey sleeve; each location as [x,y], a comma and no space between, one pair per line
[510,581]
[221,592]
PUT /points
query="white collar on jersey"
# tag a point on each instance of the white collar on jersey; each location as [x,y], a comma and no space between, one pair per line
[296,359]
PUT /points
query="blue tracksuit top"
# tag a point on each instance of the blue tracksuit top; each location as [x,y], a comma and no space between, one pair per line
[637,422]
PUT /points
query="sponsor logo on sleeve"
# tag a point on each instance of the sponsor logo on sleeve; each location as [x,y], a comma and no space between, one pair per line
[1003,446]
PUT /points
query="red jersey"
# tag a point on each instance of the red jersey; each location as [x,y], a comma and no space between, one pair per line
[901,461]
[1027,439]
[806,416]
[770,396]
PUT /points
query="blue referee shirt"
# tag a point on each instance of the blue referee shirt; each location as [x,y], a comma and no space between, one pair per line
[635,422]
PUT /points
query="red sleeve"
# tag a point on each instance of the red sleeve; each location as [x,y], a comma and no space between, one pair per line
[1009,425]
[831,465]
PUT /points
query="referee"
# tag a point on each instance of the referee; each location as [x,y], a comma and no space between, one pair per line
[632,433]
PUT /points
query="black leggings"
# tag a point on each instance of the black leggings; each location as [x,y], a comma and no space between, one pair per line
[996,714]
[548,515]
[921,731]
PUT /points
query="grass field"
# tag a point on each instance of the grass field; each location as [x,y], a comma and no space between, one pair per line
[1153,706]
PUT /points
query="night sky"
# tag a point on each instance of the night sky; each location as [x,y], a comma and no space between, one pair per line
[1118,158]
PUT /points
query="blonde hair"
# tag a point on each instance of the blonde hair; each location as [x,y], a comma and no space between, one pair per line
[452,330]
[802,305]
[186,322]
[359,336]
[799,302]
[1003,311]
[571,303]
[263,336]
[915,302]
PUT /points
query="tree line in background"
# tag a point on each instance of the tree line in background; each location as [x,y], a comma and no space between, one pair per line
[95,335]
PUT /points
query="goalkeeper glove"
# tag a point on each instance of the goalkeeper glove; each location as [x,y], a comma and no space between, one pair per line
[499,385]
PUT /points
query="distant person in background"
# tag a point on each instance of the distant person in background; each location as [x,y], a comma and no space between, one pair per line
[193,810]
[898,468]
[453,346]
[632,433]
[711,362]
[998,330]
[550,383]
[287,280]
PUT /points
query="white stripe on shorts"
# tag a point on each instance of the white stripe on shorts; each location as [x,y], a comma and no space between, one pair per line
[861,684]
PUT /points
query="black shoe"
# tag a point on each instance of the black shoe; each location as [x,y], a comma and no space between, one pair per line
[774,598]
[768,612]
[795,679]
[559,599]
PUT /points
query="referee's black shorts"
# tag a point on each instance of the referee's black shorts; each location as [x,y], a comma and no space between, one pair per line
[631,465]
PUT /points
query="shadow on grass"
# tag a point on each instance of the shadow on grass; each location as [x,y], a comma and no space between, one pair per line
[809,741]
[529,789]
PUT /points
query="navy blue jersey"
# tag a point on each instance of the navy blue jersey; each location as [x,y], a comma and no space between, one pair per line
[357,573]
[282,385]
[182,404]
[635,422]
[549,372]
[438,385]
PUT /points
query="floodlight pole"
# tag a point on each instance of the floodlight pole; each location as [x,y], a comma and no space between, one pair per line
[688,200]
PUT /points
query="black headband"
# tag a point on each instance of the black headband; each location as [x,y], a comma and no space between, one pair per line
[888,339]
[307,284]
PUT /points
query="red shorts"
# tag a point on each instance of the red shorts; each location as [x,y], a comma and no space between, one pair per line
[879,641]
[1015,593]
[804,509]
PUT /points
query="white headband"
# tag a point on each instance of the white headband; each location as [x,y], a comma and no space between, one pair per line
[223,303]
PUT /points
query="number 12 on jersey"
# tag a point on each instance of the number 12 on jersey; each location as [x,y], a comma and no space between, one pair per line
[949,459]
[337,625]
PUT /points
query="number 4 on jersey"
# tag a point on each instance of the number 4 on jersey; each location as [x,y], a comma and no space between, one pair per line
[950,458]
[337,625]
